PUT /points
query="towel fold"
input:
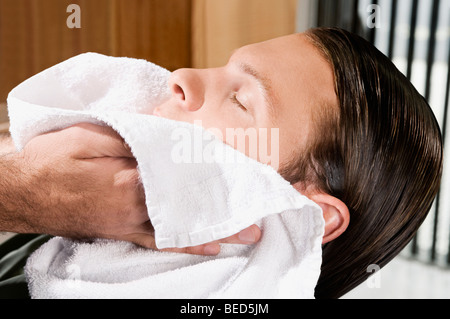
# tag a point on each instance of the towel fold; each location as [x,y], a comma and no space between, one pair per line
[189,203]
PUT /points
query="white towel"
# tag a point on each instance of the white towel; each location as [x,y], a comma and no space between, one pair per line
[188,203]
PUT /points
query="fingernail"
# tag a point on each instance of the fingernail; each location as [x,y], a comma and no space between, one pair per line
[247,236]
[211,250]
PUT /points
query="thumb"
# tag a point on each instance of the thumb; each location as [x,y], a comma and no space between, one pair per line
[101,141]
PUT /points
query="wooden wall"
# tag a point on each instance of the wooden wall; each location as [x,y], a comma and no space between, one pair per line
[171,33]
[221,26]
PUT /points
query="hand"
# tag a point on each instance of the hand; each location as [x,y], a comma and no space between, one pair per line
[84,183]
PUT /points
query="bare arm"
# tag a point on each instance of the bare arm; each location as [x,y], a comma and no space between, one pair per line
[6,144]
[12,193]
[8,194]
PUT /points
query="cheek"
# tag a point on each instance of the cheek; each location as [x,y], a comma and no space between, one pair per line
[294,137]
[286,151]
[269,140]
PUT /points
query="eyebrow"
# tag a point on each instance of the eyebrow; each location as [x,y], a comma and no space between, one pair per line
[264,83]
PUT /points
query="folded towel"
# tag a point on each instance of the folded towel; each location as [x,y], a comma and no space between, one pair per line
[189,203]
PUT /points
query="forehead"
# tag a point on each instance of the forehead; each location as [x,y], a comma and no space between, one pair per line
[299,75]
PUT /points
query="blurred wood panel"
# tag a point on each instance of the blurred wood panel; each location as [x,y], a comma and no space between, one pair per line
[219,27]
[156,30]
[4,127]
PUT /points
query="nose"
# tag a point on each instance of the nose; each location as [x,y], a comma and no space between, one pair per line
[187,88]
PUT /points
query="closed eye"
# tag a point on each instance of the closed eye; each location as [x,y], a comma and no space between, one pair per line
[235,101]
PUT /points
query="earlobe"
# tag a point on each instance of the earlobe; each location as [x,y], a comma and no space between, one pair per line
[335,213]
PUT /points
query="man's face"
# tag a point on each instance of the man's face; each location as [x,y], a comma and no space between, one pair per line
[273,87]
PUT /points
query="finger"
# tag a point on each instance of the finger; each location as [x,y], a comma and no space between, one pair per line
[142,235]
[99,141]
[108,142]
[247,236]
[202,250]
[143,240]
[148,241]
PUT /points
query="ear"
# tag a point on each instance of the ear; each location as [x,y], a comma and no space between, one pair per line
[335,213]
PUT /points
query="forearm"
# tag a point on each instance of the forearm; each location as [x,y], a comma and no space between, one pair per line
[14,203]
[6,144]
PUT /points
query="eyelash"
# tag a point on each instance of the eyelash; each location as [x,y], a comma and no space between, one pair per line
[235,101]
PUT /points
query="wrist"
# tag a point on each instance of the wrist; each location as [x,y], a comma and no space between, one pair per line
[6,144]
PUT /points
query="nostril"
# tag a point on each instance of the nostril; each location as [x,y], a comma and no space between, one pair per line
[179,92]
[187,89]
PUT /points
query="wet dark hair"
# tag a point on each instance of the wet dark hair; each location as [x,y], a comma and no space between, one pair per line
[380,153]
